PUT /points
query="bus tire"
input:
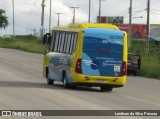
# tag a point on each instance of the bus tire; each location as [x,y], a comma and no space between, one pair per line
[49,81]
[106,88]
[65,84]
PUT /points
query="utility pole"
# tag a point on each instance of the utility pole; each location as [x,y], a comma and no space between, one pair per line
[89,17]
[50,16]
[100,11]
[42,18]
[34,31]
[74,7]
[13,20]
[148,25]
[58,17]
[27,30]
[130,26]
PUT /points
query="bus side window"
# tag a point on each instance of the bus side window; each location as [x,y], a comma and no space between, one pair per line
[65,43]
[56,42]
[62,42]
[75,41]
[71,43]
[68,43]
[53,40]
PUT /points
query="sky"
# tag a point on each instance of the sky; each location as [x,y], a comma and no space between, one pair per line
[28,13]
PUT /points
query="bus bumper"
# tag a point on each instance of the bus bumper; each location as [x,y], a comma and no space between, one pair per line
[84,80]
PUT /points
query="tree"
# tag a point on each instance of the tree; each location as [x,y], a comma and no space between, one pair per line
[3,19]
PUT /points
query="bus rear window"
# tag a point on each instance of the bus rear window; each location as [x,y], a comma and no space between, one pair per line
[102,41]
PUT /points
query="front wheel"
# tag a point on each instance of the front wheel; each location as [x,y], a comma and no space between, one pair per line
[106,88]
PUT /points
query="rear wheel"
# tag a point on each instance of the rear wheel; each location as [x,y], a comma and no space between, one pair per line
[106,88]
[49,81]
[65,84]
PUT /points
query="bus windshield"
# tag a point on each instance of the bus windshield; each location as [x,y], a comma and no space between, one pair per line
[102,52]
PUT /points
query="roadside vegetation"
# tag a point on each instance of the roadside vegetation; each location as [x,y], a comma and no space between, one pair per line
[150,61]
[25,43]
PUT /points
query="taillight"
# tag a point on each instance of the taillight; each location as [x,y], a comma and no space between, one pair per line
[78,68]
[124,69]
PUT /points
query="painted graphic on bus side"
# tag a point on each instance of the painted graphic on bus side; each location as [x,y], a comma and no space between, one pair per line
[102,52]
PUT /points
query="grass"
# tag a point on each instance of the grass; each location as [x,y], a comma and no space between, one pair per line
[150,61]
[150,65]
[29,44]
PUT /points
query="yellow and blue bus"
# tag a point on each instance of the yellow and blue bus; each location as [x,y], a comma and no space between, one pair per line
[86,54]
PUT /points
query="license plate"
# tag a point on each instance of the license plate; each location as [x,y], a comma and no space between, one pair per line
[117,68]
[100,81]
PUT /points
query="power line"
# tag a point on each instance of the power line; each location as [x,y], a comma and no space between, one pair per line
[157,5]
[134,11]
[127,15]
[125,11]
[27,3]
[139,7]
[155,9]
[155,13]
[34,3]
[36,6]
[139,11]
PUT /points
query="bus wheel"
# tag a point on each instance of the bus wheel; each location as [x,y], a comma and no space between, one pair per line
[50,81]
[106,88]
[65,84]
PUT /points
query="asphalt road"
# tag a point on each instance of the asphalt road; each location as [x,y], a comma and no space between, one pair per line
[22,87]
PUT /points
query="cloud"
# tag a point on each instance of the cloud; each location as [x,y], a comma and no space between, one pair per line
[28,12]
[28,15]
[67,14]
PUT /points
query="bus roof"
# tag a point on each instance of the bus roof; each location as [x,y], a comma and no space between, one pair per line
[77,26]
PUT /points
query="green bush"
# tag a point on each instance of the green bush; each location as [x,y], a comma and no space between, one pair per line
[150,61]
[150,65]
[30,44]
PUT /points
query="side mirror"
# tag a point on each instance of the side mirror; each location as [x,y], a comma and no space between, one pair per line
[46,38]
